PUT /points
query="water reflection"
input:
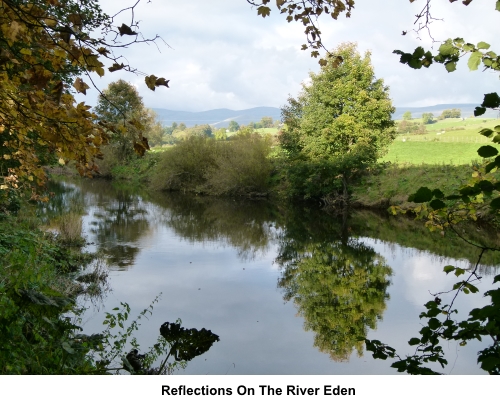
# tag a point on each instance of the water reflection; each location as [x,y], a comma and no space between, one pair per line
[338,284]
[332,270]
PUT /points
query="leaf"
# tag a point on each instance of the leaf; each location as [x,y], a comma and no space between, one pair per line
[67,348]
[126,30]
[495,204]
[487,151]
[116,66]
[474,60]
[80,86]
[486,185]
[497,6]
[414,341]
[151,82]
[450,66]
[161,82]
[422,195]
[437,204]
[479,111]
[437,193]
[486,132]
[447,49]
[491,100]
[434,323]
[483,45]
[263,11]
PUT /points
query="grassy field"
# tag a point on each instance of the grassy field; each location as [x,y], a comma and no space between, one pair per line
[450,141]
[454,153]
[393,185]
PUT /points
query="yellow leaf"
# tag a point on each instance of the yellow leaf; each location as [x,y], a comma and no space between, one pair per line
[50,22]
[15,29]
[25,51]
[60,53]
[80,86]
[151,82]
[62,162]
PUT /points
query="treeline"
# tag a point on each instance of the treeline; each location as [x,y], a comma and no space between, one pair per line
[408,125]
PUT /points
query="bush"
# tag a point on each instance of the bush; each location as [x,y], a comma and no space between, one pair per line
[236,167]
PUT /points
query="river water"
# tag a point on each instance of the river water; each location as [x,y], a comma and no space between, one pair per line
[287,290]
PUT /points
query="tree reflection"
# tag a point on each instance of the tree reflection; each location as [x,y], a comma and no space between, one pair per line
[338,284]
[119,223]
[244,225]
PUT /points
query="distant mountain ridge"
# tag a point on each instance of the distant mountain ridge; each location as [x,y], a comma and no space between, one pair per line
[218,118]
[467,110]
[221,117]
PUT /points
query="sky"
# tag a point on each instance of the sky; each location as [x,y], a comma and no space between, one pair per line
[221,54]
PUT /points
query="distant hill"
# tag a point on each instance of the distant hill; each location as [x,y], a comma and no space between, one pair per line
[467,110]
[220,118]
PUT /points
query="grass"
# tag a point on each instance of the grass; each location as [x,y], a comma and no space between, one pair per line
[392,185]
[457,153]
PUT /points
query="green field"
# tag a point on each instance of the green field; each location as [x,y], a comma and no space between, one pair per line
[454,153]
[450,141]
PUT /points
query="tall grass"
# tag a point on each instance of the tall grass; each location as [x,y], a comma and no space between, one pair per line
[202,165]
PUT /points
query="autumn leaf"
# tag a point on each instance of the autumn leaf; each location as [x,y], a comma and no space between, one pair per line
[126,30]
[116,66]
[161,82]
[80,86]
[263,11]
[151,82]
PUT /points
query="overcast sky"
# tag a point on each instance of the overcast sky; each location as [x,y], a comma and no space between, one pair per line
[222,55]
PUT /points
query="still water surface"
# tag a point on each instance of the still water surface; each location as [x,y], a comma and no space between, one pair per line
[288,291]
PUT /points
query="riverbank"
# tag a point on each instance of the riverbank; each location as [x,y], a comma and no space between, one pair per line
[386,185]
[40,279]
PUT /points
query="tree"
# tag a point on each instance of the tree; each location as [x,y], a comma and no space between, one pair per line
[156,132]
[407,116]
[452,113]
[46,46]
[266,122]
[233,126]
[428,118]
[221,134]
[120,103]
[338,126]
[440,211]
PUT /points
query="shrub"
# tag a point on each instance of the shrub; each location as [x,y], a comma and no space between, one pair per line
[236,167]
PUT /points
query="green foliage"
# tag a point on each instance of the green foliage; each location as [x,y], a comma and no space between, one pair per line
[407,116]
[36,297]
[121,105]
[410,127]
[452,113]
[204,165]
[338,126]
[233,126]
[428,118]
[445,212]
[339,289]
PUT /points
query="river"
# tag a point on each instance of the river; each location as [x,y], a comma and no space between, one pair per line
[287,290]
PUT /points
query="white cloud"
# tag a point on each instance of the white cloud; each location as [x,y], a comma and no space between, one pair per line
[223,55]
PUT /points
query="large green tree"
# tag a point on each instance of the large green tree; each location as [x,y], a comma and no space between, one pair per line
[339,125]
